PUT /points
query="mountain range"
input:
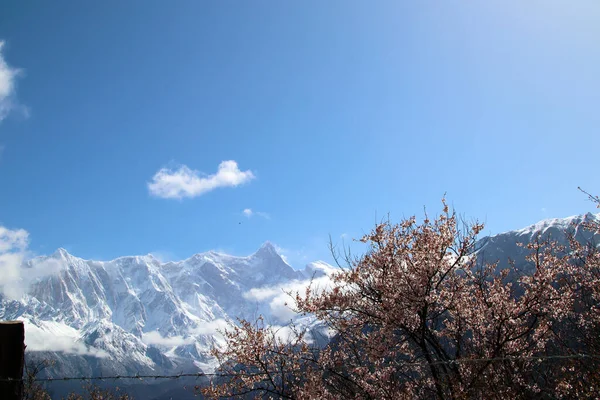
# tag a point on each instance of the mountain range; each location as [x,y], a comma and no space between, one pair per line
[138,315]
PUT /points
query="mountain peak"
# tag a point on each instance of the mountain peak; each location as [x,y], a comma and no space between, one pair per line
[60,253]
[589,216]
[267,248]
[561,224]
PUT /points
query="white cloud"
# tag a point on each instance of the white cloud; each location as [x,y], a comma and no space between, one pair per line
[248,213]
[211,327]
[13,240]
[10,279]
[8,77]
[288,334]
[156,338]
[164,256]
[263,293]
[279,299]
[280,307]
[16,277]
[55,336]
[185,182]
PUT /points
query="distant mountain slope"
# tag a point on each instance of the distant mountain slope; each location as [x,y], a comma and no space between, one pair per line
[504,246]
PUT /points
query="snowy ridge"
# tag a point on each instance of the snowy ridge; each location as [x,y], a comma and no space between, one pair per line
[504,246]
[561,224]
[135,313]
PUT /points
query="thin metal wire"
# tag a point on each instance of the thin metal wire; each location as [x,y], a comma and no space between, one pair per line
[202,374]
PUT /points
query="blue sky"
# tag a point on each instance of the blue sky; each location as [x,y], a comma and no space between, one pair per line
[150,126]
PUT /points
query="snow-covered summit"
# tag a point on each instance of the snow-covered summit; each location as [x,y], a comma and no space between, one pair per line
[267,250]
[499,248]
[142,313]
[557,224]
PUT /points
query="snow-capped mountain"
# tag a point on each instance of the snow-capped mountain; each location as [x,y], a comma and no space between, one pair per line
[504,246]
[139,315]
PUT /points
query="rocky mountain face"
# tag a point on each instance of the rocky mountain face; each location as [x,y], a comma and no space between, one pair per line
[137,315]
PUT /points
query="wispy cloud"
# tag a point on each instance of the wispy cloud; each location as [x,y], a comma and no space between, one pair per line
[155,338]
[288,334]
[211,327]
[13,240]
[249,213]
[8,76]
[279,299]
[16,277]
[185,182]
[164,256]
[300,256]
[55,336]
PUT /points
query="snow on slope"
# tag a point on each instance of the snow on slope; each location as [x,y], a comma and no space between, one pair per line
[138,314]
[503,246]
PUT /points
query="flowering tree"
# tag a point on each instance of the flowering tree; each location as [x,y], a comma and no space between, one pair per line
[417,317]
[580,332]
